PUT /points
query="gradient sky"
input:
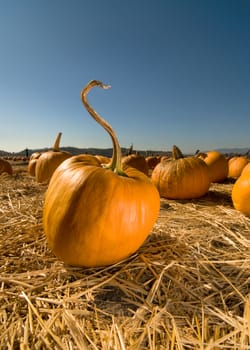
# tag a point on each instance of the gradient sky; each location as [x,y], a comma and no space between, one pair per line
[179,71]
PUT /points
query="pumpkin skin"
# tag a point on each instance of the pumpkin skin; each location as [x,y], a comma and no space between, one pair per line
[95,214]
[181,177]
[35,155]
[32,167]
[103,159]
[49,161]
[136,161]
[217,165]
[5,167]
[163,158]
[32,163]
[236,165]
[241,193]
[246,170]
[152,161]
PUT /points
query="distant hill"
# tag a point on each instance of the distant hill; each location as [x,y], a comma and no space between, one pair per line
[108,151]
[75,151]
[234,150]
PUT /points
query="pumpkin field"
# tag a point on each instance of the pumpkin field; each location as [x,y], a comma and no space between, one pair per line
[186,287]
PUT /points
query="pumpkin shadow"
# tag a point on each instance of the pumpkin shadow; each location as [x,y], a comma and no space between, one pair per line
[216,195]
[212,198]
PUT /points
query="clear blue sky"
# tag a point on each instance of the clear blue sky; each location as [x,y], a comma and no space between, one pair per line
[179,71]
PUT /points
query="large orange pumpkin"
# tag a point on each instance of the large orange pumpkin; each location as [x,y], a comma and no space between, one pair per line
[217,165]
[5,167]
[241,193]
[49,161]
[98,214]
[181,177]
[236,165]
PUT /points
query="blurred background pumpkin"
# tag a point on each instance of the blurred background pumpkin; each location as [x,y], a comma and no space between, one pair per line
[48,161]
[217,165]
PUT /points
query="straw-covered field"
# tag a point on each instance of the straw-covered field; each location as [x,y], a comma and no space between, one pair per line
[188,287]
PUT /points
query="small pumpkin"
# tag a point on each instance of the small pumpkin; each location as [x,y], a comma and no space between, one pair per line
[5,167]
[32,167]
[35,155]
[49,161]
[95,214]
[235,165]
[241,193]
[163,158]
[136,161]
[181,177]
[217,165]
[32,163]
[152,161]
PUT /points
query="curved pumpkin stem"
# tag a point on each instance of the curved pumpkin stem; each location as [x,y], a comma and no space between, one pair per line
[116,161]
[57,142]
[176,153]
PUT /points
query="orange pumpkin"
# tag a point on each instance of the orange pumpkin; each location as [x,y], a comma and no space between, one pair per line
[5,167]
[246,169]
[35,155]
[217,165]
[32,163]
[32,167]
[136,161]
[97,214]
[163,158]
[181,177]
[236,165]
[152,161]
[49,161]
[241,193]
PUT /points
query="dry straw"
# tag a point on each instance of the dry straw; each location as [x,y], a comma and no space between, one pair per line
[188,287]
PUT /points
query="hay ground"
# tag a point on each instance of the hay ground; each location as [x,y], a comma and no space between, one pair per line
[188,286]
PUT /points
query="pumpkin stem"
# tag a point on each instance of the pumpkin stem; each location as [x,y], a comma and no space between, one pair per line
[57,142]
[176,153]
[116,161]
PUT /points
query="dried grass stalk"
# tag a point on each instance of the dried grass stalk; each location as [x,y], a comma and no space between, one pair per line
[188,286]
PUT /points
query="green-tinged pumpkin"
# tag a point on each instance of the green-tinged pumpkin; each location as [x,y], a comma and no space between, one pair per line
[136,161]
[95,214]
[236,165]
[48,161]
[5,167]
[241,193]
[181,177]
[217,165]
